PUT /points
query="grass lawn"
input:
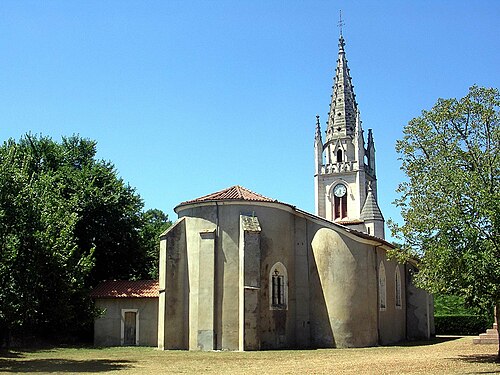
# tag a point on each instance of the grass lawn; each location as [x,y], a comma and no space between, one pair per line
[440,356]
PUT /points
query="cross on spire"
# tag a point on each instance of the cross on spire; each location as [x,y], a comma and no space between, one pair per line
[340,23]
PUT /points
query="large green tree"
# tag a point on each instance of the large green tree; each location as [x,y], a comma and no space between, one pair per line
[450,201]
[155,222]
[67,222]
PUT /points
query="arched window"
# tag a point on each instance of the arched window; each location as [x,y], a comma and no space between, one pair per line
[339,201]
[382,295]
[278,287]
[397,284]
[339,155]
[340,204]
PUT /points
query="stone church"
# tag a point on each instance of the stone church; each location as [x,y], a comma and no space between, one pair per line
[241,271]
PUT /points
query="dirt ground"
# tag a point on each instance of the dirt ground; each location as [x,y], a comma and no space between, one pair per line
[443,355]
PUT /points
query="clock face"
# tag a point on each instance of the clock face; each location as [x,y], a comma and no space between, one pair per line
[339,190]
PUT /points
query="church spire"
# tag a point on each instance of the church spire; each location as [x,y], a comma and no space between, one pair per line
[343,107]
[345,183]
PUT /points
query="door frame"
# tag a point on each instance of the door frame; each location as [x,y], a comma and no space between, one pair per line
[122,331]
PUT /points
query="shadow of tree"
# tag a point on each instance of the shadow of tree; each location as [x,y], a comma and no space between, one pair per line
[55,365]
[480,358]
[9,354]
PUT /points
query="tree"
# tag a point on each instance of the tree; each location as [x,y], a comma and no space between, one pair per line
[67,222]
[453,305]
[155,222]
[450,202]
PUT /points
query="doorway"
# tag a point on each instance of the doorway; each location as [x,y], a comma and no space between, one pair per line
[130,327]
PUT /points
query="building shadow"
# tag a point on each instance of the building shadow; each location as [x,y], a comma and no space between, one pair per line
[432,341]
[15,364]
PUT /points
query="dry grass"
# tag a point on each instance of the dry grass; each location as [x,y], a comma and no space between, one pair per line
[441,356]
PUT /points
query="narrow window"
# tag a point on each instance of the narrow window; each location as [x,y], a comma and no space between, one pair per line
[397,282]
[278,284]
[278,289]
[339,156]
[382,299]
[340,204]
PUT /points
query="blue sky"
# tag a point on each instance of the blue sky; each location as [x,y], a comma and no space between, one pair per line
[190,97]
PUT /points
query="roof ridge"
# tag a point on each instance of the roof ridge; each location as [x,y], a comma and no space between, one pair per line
[126,289]
[240,190]
[235,192]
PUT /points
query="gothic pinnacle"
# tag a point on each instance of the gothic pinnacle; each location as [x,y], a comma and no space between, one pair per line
[318,128]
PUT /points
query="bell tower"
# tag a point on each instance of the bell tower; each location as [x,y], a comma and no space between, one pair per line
[345,181]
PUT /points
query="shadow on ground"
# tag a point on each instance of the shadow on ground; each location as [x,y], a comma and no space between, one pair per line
[9,354]
[55,365]
[433,341]
[480,358]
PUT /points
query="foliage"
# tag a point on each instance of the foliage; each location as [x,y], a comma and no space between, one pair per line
[461,324]
[451,201]
[453,305]
[155,222]
[66,222]
[453,317]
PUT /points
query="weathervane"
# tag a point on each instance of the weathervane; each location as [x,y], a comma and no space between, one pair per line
[340,23]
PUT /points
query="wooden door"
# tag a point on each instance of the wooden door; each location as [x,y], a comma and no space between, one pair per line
[129,331]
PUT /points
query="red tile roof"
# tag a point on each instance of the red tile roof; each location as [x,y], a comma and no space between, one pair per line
[126,289]
[235,192]
[349,222]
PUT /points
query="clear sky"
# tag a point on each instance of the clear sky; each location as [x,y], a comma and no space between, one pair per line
[190,97]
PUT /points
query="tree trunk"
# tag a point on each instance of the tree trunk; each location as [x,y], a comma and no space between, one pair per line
[497,320]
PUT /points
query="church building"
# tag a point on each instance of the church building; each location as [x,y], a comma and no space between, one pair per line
[241,271]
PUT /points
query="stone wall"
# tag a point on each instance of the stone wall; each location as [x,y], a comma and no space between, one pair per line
[216,282]
[343,287]
[419,309]
[107,327]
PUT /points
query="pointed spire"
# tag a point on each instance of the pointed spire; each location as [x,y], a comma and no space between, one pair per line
[371,210]
[318,130]
[343,107]
[370,153]
[370,137]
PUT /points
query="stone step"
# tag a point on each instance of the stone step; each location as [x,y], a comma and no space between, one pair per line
[486,336]
[490,337]
[478,340]
[492,332]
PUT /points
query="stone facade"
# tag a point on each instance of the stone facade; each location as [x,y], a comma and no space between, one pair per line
[109,327]
[129,313]
[239,271]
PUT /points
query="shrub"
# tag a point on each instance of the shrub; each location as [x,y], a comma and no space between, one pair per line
[461,324]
